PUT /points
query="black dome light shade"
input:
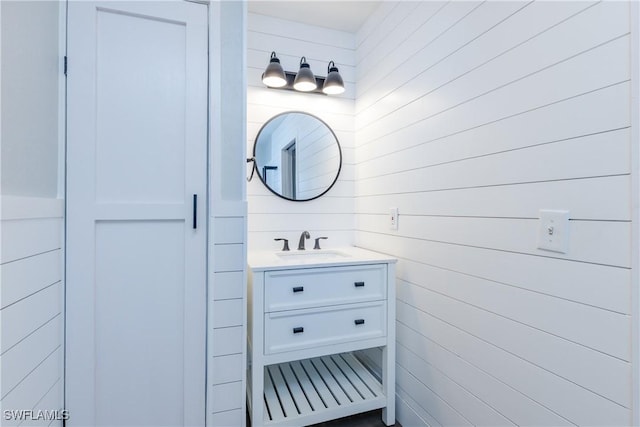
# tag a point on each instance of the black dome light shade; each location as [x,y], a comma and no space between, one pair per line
[333,84]
[305,80]
[274,75]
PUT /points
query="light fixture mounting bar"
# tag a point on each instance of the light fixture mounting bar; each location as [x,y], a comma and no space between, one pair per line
[291,76]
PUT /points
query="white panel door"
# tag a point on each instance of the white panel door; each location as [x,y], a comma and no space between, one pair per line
[136,253]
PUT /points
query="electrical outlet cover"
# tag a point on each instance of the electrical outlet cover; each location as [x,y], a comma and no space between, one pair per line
[393,218]
[553,231]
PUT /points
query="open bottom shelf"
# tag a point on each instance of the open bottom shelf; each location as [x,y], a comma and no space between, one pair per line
[320,389]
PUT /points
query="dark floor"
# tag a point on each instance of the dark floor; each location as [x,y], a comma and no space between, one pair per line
[367,419]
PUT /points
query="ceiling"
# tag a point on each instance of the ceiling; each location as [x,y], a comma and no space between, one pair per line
[338,15]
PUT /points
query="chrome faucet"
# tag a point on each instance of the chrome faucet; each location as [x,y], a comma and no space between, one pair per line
[304,235]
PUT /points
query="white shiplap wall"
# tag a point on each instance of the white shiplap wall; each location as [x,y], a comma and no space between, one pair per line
[332,214]
[470,117]
[31,307]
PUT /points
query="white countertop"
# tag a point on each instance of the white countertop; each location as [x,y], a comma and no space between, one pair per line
[349,255]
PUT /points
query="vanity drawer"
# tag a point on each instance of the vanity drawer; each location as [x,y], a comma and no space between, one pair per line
[302,329]
[317,287]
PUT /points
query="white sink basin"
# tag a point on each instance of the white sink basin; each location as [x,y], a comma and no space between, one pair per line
[312,255]
[345,255]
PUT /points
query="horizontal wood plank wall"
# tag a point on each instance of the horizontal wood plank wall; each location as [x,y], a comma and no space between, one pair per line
[470,118]
[227,333]
[31,307]
[332,215]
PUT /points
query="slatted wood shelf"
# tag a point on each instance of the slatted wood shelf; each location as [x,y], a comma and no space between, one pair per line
[309,391]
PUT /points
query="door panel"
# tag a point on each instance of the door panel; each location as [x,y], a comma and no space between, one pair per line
[139,314]
[136,268]
[141,63]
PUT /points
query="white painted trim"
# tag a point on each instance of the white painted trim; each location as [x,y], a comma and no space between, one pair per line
[244,207]
[17,207]
[215,116]
[62,189]
[0,105]
[228,140]
[635,209]
[214,187]
[62,98]
[244,98]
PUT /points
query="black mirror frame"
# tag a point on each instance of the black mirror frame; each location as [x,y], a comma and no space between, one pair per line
[255,162]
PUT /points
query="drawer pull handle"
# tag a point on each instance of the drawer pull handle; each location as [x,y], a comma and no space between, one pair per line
[359,321]
[298,289]
[358,284]
[298,330]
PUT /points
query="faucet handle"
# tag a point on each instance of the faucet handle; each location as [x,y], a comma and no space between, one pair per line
[286,244]
[317,245]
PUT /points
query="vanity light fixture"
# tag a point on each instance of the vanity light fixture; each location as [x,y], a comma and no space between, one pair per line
[304,80]
[333,84]
[274,75]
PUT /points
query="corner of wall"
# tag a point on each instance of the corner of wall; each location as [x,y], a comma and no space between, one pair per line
[635,215]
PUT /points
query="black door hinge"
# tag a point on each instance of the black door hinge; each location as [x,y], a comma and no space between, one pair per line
[65,65]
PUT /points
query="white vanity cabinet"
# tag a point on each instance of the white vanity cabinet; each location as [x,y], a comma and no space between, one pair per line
[308,315]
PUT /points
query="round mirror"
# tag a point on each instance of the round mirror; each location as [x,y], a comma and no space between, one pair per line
[297,156]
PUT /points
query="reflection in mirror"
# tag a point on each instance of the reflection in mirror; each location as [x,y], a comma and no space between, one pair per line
[297,156]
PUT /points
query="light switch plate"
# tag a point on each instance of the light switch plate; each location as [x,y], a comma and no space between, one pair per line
[393,218]
[553,231]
